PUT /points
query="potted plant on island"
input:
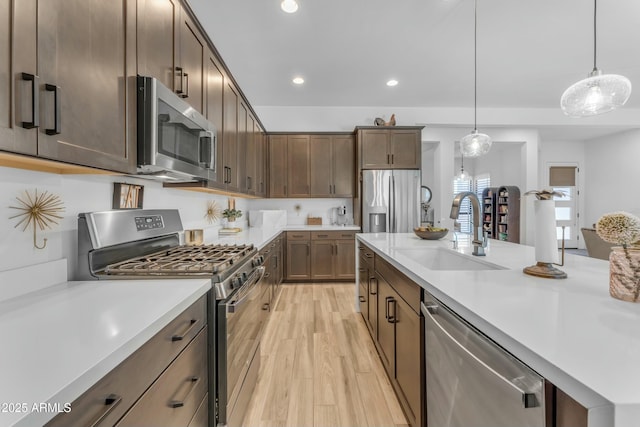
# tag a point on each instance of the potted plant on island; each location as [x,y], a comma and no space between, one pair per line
[623,229]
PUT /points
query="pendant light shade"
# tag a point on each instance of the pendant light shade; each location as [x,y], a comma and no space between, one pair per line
[598,93]
[475,144]
[289,6]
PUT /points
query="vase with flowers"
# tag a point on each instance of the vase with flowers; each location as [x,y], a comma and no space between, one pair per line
[622,228]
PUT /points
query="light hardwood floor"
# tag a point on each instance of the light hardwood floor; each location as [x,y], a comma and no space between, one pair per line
[319,366]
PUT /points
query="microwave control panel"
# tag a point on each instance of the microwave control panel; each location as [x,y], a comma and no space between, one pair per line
[152,222]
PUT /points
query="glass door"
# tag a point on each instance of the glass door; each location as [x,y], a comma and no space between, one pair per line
[564,179]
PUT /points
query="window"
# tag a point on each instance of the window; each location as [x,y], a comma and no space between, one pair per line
[476,185]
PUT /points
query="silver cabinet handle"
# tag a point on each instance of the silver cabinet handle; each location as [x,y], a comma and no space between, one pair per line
[180,73]
[429,310]
[35,101]
[180,403]
[110,402]
[180,337]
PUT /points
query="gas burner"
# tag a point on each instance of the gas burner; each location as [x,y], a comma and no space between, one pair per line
[183,260]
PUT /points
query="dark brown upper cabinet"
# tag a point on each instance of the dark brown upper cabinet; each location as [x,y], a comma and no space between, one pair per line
[397,147]
[69,93]
[331,164]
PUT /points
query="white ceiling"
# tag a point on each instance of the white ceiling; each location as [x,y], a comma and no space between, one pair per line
[529,52]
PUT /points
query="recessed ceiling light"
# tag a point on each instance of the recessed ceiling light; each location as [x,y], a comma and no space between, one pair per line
[289,6]
[392,82]
[298,80]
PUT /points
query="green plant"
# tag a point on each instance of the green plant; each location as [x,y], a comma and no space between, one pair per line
[231,214]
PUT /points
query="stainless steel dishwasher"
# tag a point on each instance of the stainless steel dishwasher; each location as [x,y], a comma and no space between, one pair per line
[471,381]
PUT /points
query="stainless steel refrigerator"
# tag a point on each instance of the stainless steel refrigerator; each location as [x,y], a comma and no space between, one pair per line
[390,200]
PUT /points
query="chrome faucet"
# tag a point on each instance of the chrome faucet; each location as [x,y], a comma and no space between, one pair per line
[479,237]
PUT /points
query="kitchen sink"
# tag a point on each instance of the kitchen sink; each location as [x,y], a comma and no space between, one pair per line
[445,259]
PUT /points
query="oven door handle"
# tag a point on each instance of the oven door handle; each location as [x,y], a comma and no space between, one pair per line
[247,289]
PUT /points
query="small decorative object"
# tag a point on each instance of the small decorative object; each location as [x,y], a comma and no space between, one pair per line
[546,240]
[622,228]
[430,233]
[231,213]
[314,220]
[297,208]
[213,213]
[380,121]
[40,210]
[194,237]
[127,196]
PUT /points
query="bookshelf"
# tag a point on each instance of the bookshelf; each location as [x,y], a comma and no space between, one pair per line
[507,214]
[489,211]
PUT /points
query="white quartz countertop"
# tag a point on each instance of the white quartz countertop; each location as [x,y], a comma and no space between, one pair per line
[260,236]
[60,340]
[570,331]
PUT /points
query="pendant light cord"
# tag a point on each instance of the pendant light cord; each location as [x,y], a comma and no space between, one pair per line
[595,10]
[475,65]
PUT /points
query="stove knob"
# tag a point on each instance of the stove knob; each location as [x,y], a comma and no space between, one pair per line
[244,277]
[235,283]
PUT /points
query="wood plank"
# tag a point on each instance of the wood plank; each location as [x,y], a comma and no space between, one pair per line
[319,364]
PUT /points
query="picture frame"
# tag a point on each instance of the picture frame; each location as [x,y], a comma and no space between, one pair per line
[127,196]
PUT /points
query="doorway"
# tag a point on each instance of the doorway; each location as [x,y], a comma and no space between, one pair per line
[564,179]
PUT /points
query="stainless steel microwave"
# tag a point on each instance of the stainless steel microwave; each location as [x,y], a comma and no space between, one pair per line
[175,142]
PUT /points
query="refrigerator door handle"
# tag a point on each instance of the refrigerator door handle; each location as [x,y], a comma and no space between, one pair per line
[392,188]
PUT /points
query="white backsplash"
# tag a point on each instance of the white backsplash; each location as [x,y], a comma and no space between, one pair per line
[88,193]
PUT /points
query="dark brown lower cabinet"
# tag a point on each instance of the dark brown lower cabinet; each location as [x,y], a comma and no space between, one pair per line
[298,255]
[163,383]
[321,255]
[393,317]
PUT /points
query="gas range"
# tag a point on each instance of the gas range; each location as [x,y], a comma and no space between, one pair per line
[145,244]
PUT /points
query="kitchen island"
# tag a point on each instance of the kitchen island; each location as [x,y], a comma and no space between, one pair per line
[569,331]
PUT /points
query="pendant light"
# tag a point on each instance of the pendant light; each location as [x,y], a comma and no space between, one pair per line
[462,176]
[475,144]
[289,6]
[598,93]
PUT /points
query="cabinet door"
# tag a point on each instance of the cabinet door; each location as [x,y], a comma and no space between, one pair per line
[387,298]
[405,149]
[214,111]
[189,83]
[261,147]
[343,160]
[409,361]
[250,157]
[363,290]
[298,256]
[277,166]
[345,259]
[298,166]
[320,166]
[372,321]
[374,152]
[157,21]
[87,82]
[322,253]
[230,132]
[18,94]
[241,161]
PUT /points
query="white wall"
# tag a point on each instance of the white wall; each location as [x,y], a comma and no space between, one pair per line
[611,181]
[87,193]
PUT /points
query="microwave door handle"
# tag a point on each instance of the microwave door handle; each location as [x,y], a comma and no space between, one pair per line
[207,153]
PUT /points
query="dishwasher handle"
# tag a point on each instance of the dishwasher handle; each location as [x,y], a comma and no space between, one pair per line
[430,309]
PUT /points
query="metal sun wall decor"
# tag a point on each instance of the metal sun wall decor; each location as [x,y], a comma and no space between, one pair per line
[41,210]
[213,213]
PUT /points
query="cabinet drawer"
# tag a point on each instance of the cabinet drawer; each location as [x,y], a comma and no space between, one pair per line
[333,235]
[367,255]
[175,397]
[201,418]
[405,287]
[298,235]
[110,397]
